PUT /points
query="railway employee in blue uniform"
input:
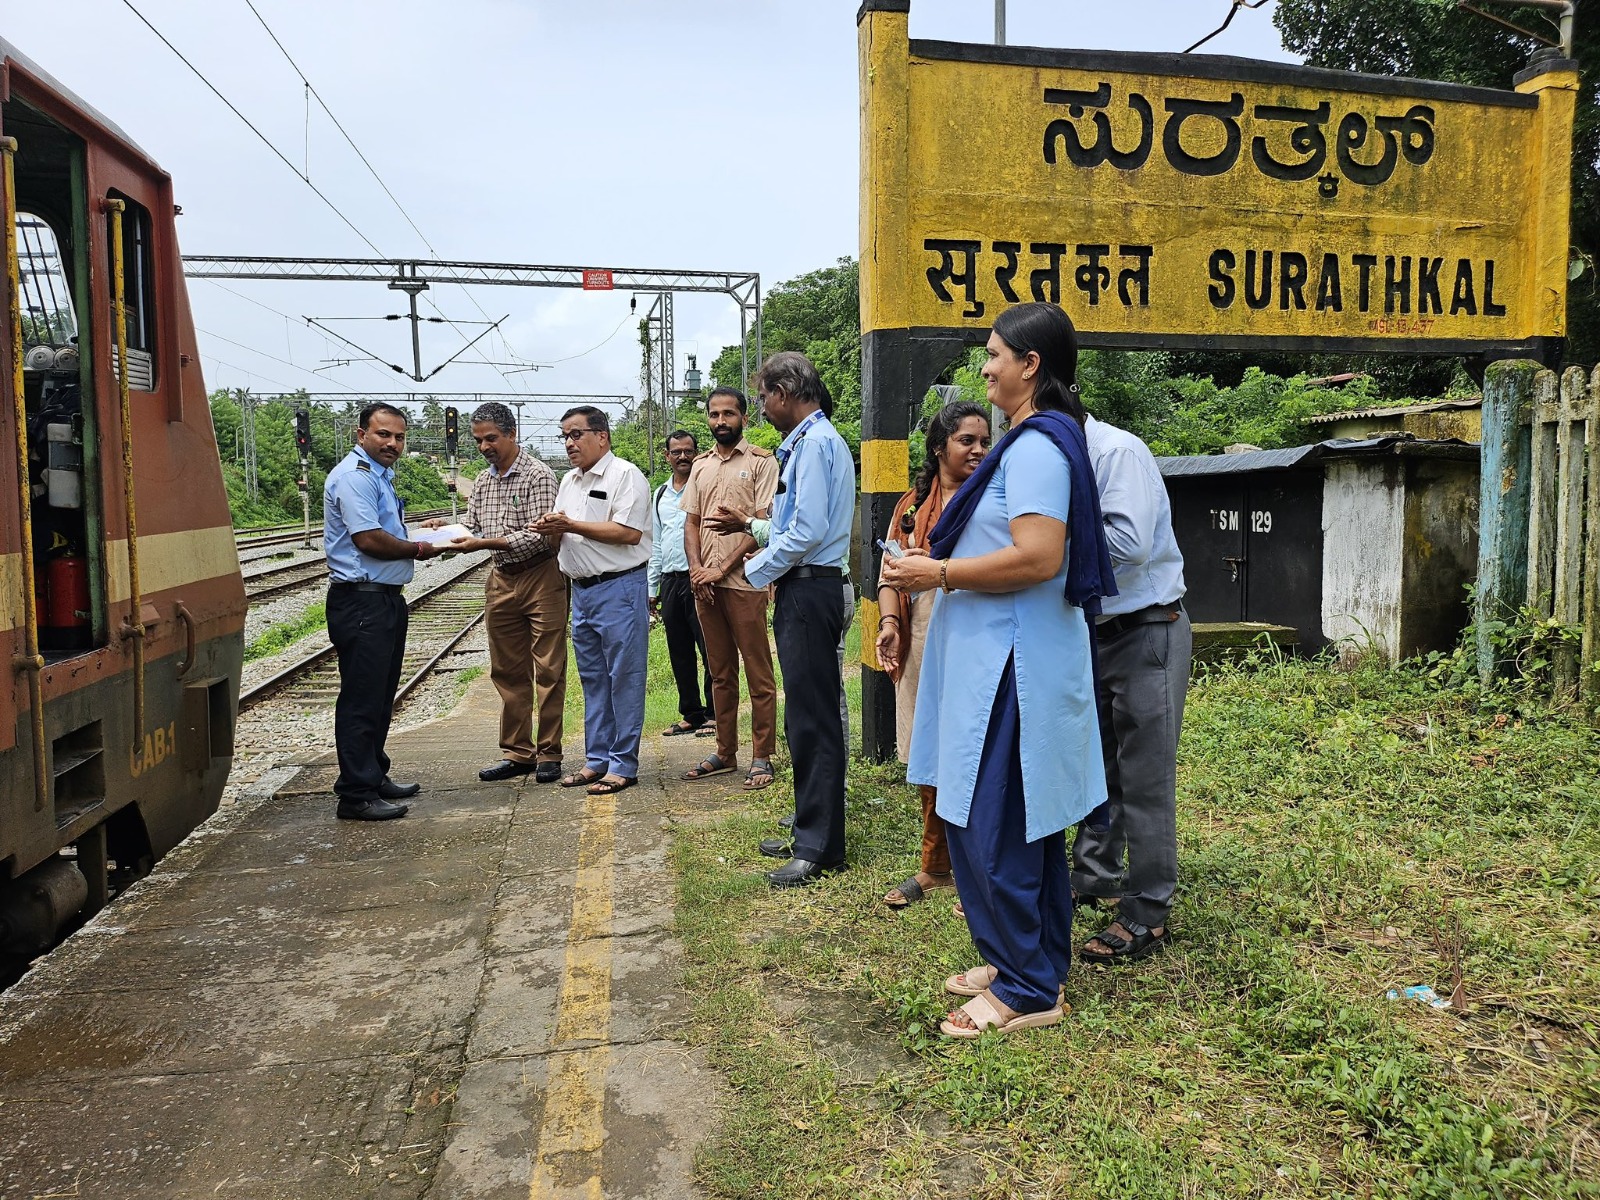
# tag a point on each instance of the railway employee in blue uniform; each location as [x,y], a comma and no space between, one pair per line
[370,562]
[810,537]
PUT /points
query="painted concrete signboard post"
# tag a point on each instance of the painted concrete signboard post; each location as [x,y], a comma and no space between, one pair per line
[1188,202]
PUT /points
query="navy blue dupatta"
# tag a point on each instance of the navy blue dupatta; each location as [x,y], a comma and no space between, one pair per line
[1089,572]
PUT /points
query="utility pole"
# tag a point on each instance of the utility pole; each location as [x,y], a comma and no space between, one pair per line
[999,22]
[247,428]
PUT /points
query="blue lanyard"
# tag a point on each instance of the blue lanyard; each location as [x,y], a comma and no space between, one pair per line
[799,436]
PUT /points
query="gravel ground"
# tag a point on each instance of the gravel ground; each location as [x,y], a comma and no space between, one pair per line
[272,735]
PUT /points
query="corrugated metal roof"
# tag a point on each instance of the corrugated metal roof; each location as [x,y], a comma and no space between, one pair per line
[1292,456]
[1402,411]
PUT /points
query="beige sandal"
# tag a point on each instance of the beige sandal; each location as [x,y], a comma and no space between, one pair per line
[974,981]
[983,1012]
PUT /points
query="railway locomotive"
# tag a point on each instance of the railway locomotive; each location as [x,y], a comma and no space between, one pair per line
[121,606]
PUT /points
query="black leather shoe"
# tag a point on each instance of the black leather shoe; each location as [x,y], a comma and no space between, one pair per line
[777,847]
[506,769]
[786,822]
[798,872]
[390,790]
[371,810]
[547,772]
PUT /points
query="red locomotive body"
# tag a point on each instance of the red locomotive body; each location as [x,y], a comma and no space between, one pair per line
[121,606]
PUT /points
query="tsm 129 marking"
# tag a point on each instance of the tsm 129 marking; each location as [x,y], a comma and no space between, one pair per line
[1227,520]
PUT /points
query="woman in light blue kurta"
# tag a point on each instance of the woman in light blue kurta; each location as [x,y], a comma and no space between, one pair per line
[1006,726]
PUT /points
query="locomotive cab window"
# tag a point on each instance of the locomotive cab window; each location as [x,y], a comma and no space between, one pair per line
[139,292]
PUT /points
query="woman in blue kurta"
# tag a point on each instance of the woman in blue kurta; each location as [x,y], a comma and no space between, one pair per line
[1006,726]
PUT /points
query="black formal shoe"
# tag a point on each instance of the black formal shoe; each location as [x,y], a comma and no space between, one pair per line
[777,847]
[507,769]
[370,810]
[390,790]
[547,772]
[798,872]
[786,822]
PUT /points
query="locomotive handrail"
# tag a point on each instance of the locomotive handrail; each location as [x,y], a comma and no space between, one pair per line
[135,627]
[30,660]
[187,618]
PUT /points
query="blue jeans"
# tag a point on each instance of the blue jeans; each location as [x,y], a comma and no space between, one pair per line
[611,643]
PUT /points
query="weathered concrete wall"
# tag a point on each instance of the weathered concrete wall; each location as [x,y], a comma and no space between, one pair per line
[1441,552]
[1363,526]
[1463,424]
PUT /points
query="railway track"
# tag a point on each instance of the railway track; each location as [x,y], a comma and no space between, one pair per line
[285,535]
[440,618]
[274,581]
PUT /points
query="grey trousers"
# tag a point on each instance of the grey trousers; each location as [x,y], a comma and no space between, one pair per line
[1144,677]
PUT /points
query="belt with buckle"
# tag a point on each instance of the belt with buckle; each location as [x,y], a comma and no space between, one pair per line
[1156,614]
[352,586]
[604,577]
[812,573]
[524,564]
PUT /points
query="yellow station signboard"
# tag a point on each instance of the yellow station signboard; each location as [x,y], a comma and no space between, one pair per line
[1170,200]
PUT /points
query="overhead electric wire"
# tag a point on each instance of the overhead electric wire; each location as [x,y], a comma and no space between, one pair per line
[266,141]
[304,177]
[287,319]
[311,89]
[273,357]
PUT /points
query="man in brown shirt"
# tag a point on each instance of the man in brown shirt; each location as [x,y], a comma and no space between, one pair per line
[525,597]
[733,614]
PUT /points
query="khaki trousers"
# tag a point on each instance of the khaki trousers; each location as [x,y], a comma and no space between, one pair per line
[735,627]
[526,619]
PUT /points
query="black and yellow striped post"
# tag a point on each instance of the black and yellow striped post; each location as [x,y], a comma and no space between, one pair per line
[898,364]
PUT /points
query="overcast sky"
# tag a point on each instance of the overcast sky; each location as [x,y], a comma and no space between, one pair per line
[683,134]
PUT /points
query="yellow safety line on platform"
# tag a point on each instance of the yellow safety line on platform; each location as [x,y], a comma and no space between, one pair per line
[575,1082]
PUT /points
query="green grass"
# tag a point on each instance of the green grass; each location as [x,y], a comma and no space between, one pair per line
[280,637]
[1341,834]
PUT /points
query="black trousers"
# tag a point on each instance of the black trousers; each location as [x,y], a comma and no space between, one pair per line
[807,623]
[683,640]
[368,631]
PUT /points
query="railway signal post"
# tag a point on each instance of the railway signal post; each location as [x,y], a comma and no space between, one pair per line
[452,437]
[302,441]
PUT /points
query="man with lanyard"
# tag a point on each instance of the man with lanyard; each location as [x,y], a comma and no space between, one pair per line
[601,522]
[369,564]
[1145,645]
[810,537]
[525,597]
[670,594]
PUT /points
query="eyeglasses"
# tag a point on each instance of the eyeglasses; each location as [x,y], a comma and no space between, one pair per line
[572,435]
[680,453]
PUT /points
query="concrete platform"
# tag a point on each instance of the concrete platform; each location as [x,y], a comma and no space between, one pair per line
[477,1001]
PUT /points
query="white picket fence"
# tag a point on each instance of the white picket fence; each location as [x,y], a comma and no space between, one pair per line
[1564,517]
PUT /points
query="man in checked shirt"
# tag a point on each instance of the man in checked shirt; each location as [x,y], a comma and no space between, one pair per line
[525,603]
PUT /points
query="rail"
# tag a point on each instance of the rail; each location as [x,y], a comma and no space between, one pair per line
[307,664]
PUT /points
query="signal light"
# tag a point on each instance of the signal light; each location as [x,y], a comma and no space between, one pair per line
[302,430]
[451,431]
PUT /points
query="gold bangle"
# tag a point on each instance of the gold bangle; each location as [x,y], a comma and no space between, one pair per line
[944,576]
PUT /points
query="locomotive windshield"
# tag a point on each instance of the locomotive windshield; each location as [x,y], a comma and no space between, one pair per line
[47,316]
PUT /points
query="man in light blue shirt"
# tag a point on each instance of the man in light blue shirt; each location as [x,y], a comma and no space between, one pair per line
[370,560]
[1130,858]
[809,538]
[670,593]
